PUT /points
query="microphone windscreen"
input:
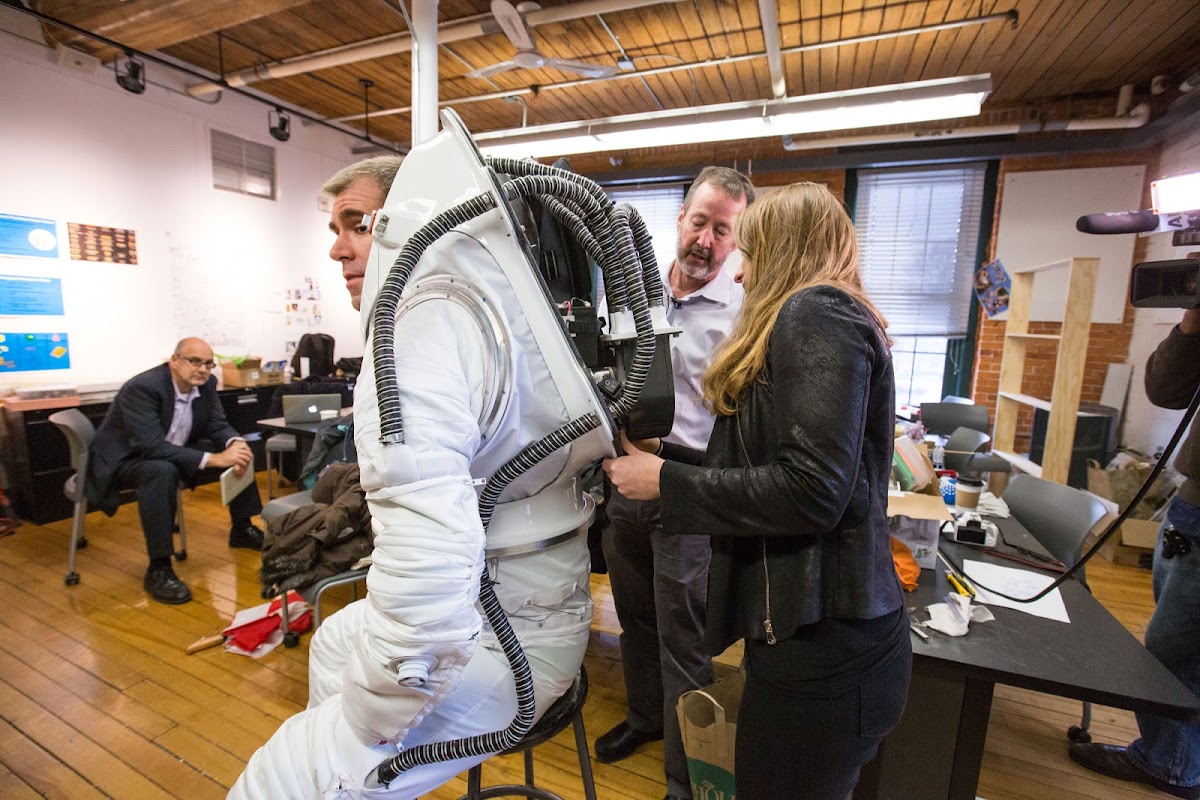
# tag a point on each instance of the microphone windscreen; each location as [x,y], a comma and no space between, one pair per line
[1118,222]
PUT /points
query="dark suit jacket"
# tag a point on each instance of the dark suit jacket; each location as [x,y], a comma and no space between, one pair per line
[136,426]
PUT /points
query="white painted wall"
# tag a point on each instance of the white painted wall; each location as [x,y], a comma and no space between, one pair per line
[1147,427]
[78,148]
[1037,226]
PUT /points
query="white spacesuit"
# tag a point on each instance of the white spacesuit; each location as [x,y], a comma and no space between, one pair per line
[488,413]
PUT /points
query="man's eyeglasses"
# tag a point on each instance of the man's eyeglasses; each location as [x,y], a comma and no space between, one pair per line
[197,363]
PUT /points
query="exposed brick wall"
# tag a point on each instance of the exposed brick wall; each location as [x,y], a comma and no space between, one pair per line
[1107,343]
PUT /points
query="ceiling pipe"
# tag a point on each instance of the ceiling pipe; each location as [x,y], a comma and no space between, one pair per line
[768,14]
[455,31]
[424,71]
[1136,118]
[1008,16]
[194,73]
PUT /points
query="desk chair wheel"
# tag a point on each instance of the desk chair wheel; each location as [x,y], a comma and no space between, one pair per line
[291,639]
[181,555]
[71,579]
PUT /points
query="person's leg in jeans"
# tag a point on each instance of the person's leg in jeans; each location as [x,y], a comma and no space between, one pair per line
[1168,749]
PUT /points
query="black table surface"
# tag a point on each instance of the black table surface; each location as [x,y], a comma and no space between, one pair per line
[1091,658]
[279,425]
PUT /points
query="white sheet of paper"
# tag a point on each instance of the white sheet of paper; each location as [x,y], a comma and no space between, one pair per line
[232,485]
[1018,583]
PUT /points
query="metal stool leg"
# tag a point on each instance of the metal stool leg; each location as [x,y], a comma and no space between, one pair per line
[77,540]
[585,759]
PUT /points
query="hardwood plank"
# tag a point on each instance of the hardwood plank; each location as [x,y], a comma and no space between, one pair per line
[98,661]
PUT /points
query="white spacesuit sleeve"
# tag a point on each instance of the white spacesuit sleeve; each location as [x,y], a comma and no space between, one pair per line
[421,623]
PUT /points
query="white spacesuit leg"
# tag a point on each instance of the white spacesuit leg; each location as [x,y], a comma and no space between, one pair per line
[329,650]
[325,758]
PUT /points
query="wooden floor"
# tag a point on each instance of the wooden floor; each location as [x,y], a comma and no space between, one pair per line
[99,699]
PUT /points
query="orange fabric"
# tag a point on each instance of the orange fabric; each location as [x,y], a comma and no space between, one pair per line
[906,566]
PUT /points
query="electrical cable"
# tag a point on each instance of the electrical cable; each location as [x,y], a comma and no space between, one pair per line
[1116,523]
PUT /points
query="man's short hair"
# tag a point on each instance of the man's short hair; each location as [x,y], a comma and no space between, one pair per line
[732,182]
[381,169]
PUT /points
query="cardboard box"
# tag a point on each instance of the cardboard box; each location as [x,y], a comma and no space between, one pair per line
[233,377]
[1133,545]
[916,519]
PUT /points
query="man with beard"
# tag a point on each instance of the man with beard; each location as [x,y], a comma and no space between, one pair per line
[660,578]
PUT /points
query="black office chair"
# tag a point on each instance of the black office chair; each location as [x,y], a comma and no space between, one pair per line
[942,419]
[1060,517]
[79,431]
[963,453]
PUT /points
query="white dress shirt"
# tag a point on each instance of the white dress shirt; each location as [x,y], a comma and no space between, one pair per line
[706,317]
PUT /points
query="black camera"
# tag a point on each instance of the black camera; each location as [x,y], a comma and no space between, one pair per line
[1160,284]
[1166,284]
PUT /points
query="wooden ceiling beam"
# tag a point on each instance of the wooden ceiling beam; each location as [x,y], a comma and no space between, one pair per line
[155,24]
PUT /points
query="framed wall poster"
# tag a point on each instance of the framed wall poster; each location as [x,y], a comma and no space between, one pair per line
[28,237]
[30,352]
[22,295]
[101,244]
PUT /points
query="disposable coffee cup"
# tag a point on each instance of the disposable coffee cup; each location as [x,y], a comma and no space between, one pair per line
[966,493]
[328,413]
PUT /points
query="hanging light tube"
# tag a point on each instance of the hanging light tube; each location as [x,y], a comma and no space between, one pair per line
[920,101]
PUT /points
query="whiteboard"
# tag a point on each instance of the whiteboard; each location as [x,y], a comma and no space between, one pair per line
[1037,226]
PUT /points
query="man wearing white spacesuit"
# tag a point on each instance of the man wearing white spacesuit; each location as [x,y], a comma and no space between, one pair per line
[415,663]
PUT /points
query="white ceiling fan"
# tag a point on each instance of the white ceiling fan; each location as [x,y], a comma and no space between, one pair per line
[512,21]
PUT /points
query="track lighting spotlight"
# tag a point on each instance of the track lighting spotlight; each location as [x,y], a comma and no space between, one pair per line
[133,78]
[279,124]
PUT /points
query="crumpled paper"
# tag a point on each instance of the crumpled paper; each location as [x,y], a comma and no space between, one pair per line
[954,616]
[257,631]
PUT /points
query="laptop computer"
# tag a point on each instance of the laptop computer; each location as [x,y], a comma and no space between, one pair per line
[308,407]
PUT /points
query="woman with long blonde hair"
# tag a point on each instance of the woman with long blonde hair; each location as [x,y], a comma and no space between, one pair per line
[793,491]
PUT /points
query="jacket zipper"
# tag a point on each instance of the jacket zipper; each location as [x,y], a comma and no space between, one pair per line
[767,625]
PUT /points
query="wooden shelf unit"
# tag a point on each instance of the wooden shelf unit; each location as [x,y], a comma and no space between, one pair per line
[1068,368]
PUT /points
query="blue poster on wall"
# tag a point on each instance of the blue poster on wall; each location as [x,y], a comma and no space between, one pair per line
[28,237]
[22,295]
[27,352]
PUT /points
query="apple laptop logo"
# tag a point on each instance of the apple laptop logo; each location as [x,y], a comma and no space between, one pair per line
[312,409]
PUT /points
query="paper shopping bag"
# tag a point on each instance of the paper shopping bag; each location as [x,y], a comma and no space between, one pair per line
[708,723]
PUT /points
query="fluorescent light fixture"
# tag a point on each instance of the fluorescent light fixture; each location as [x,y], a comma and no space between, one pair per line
[944,98]
[1181,193]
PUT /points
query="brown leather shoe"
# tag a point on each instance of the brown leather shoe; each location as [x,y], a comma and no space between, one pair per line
[622,741]
[1114,762]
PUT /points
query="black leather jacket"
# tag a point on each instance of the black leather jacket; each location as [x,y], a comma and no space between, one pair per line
[793,489]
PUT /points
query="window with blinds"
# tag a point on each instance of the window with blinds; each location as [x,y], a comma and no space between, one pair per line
[659,207]
[918,235]
[239,165]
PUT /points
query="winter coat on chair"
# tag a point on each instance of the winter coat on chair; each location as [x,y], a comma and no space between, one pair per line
[322,539]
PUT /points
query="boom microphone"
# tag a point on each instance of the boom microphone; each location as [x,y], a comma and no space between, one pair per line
[1137,222]
[1118,222]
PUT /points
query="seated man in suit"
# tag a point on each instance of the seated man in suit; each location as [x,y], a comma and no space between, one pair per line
[158,432]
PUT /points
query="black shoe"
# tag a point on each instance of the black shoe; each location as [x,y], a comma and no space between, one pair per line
[622,741]
[247,536]
[164,586]
[1114,762]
